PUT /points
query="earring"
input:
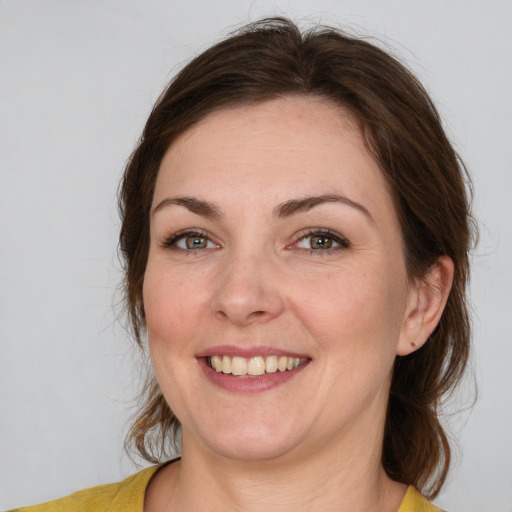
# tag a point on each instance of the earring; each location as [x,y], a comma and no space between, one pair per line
[413,344]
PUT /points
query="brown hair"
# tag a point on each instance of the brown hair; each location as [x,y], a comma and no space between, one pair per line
[403,132]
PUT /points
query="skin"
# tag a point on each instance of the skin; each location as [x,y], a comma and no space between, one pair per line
[314,442]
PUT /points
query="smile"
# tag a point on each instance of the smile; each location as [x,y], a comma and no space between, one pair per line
[253,366]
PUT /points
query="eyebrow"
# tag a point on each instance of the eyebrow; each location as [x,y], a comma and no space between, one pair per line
[198,206]
[294,206]
[286,209]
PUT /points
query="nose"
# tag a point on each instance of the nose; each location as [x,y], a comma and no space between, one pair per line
[247,291]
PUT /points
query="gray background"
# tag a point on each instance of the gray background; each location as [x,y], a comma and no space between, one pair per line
[77,81]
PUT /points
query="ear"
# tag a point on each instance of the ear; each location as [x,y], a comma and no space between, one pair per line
[425,305]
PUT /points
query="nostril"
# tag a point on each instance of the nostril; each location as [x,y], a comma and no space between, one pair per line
[242,300]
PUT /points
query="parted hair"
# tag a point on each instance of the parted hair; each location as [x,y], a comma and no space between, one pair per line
[427,180]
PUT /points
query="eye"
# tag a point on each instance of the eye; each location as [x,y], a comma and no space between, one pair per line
[322,240]
[190,241]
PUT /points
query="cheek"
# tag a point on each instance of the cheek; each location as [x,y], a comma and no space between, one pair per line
[355,322]
[173,305]
[351,313]
[173,308]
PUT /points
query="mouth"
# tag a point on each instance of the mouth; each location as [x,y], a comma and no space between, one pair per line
[255,366]
[250,370]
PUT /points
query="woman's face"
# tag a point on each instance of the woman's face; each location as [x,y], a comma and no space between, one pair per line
[274,243]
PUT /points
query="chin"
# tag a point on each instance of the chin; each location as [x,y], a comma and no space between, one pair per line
[252,451]
[255,442]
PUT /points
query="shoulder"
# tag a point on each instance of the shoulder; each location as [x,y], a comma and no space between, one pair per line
[124,496]
[415,502]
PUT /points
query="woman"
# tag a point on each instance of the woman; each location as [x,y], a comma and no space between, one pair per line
[296,234]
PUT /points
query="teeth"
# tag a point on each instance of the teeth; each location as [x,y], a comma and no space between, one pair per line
[238,366]
[271,364]
[253,366]
[216,363]
[256,366]
[226,364]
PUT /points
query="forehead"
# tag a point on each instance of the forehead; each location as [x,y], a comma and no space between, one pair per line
[291,145]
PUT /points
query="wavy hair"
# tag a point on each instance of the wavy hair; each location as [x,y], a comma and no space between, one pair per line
[428,182]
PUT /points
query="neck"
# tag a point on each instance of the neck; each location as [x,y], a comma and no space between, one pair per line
[349,480]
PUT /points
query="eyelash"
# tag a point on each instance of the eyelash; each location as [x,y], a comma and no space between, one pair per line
[171,241]
[342,242]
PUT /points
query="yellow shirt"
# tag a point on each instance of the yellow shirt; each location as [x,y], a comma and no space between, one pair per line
[128,496]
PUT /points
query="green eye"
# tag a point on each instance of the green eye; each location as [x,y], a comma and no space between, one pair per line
[320,242]
[195,242]
[190,241]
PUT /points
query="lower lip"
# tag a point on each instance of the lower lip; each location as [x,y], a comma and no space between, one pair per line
[248,384]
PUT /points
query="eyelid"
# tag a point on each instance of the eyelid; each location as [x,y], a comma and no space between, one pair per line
[343,242]
[171,240]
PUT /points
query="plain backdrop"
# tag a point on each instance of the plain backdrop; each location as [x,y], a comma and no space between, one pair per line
[77,81]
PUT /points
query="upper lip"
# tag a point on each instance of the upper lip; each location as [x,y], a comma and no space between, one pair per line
[248,352]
